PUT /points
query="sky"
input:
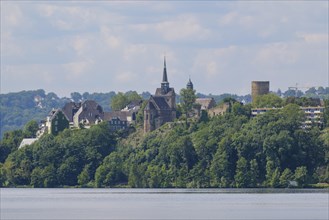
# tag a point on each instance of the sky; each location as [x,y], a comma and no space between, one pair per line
[102,46]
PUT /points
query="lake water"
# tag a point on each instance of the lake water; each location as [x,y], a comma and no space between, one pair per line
[163,204]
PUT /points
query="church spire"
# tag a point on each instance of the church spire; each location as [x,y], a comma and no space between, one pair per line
[164,77]
[164,83]
[189,84]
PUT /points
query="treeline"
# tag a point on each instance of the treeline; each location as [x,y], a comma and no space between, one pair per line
[21,107]
[233,150]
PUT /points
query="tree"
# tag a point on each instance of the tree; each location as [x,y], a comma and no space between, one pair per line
[132,96]
[242,175]
[269,101]
[30,129]
[254,173]
[84,177]
[77,97]
[301,175]
[37,178]
[275,179]
[119,101]
[187,100]
[285,177]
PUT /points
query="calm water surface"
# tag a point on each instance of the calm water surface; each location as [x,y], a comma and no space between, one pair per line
[163,204]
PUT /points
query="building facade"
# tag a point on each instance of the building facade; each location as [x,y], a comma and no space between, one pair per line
[313,114]
[56,122]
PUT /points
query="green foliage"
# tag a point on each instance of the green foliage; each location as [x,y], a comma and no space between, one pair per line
[187,98]
[232,150]
[269,101]
[301,175]
[285,177]
[30,129]
[242,176]
[121,100]
[10,142]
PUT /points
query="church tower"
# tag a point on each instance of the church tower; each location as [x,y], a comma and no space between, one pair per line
[164,83]
[189,84]
[161,107]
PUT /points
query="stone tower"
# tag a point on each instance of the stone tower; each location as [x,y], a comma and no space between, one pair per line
[259,88]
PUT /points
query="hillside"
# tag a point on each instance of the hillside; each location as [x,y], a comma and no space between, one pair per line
[20,107]
[233,150]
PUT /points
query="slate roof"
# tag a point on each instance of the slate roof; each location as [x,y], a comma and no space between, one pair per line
[54,112]
[161,102]
[108,116]
[158,92]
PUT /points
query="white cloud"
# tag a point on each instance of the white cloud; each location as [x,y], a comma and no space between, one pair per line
[81,44]
[125,77]
[12,14]
[276,54]
[183,27]
[318,38]
[109,37]
[77,69]
[47,10]
[228,18]
[121,44]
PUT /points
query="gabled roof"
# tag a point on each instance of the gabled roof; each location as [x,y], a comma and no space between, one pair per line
[54,112]
[122,115]
[160,102]
[158,92]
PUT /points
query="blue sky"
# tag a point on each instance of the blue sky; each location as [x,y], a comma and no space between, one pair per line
[102,46]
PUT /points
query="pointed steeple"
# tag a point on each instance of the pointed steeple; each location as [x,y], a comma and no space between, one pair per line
[189,84]
[164,76]
[164,83]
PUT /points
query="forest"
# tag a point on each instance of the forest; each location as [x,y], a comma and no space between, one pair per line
[232,150]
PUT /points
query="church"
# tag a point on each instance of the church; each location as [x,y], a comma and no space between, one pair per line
[161,107]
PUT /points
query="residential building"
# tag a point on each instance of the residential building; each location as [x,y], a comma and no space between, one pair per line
[118,120]
[313,114]
[56,122]
[89,113]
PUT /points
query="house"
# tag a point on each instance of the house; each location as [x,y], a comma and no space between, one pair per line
[133,106]
[56,122]
[70,109]
[118,120]
[161,107]
[89,113]
[313,114]
[84,113]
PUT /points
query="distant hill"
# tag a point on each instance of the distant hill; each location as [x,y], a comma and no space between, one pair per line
[20,107]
